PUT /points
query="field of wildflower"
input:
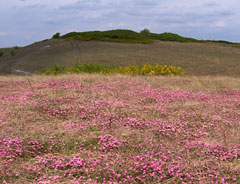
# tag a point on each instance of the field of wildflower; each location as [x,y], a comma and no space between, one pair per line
[83,128]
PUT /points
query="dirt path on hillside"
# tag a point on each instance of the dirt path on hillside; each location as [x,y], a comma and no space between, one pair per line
[16,71]
[9,66]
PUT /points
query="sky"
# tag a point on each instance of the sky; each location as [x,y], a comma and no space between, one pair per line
[23,22]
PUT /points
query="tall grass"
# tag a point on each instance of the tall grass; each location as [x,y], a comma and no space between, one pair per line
[145,69]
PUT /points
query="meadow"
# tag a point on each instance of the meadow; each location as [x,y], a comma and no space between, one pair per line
[82,128]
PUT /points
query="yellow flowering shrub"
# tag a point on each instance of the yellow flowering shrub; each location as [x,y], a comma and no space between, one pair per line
[145,69]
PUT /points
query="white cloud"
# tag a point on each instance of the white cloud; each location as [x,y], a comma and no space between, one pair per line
[4,33]
[219,24]
[55,3]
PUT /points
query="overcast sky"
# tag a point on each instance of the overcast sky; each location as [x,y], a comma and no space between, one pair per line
[25,21]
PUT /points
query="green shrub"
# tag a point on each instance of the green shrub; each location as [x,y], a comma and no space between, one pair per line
[57,69]
[145,69]
[145,31]
[56,35]
[1,53]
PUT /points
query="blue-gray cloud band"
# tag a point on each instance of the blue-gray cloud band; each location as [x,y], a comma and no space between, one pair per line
[26,21]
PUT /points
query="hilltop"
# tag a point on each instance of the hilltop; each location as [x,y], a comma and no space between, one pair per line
[129,36]
[125,47]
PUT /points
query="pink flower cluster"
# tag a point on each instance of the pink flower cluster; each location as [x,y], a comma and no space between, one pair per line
[108,142]
[10,149]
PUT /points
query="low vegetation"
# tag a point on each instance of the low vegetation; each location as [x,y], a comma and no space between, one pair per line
[9,51]
[119,129]
[170,37]
[56,35]
[145,69]
[112,35]
[12,52]
[123,35]
[1,53]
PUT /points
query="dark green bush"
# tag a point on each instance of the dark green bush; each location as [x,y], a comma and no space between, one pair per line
[145,31]
[1,53]
[56,35]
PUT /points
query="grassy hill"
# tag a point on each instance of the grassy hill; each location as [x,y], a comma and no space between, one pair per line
[125,47]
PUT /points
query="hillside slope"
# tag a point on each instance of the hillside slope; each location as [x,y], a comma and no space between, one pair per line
[195,58]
